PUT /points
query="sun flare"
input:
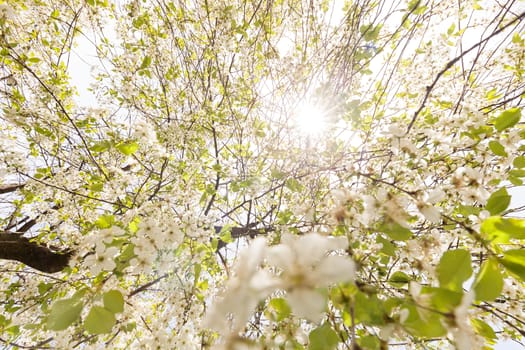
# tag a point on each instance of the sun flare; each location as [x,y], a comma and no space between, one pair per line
[311,120]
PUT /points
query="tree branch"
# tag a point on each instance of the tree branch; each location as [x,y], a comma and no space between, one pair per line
[10,188]
[19,248]
[452,62]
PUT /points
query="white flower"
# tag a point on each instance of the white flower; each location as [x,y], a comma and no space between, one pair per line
[395,131]
[305,265]
[426,208]
[102,260]
[243,291]
[464,335]
[306,303]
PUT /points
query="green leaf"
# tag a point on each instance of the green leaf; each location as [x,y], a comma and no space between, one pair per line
[99,320]
[398,279]
[127,147]
[515,181]
[293,185]
[454,268]
[281,307]
[370,32]
[484,330]
[146,62]
[63,313]
[507,119]
[388,248]
[395,231]
[44,287]
[498,201]
[443,300]
[519,162]
[500,230]
[517,172]
[323,338]
[105,221]
[423,323]
[489,281]
[369,342]
[96,187]
[368,309]
[497,148]
[101,146]
[114,301]
[514,262]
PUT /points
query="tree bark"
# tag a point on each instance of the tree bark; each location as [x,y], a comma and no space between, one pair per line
[19,248]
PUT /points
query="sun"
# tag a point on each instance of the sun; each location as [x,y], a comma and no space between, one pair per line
[310,119]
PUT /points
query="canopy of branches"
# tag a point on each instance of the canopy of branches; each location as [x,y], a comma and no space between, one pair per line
[261,174]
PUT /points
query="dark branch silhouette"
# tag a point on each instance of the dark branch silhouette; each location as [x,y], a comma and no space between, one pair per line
[10,188]
[19,248]
[16,247]
[238,232]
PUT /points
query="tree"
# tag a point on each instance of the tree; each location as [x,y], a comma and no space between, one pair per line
[189,209]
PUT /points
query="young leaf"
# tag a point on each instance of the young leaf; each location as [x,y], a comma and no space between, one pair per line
[395,231]
[105,221]
[146,62]
[454,268]
[484,330]
[519,162]
[128,148]
[99,320]
[514,261]
[507,119]
[63,313]
[323,338]
[497,148]
[444,300]
[281,307]
[423,324]
[398,279]
[114,301]
[500,230]
[489,281]
[369,342]
[498,201]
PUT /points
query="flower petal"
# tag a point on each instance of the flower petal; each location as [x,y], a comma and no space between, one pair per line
[306,303]
[333,269]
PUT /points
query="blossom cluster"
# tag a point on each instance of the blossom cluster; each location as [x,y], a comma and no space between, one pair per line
[299,265]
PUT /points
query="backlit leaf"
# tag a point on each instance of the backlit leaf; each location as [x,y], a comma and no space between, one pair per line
[128,148]
[395,231]
[323,338]
[497,229]
[497,148]
[99,320]
[454,268]
[63,313]
[114,301]
[489,281]
[514,262]
[483,329]
[498,201]
[507,119]
[398,279]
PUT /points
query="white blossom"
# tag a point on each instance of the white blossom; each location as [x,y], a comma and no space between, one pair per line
[426,207]
[305,264]
[464,335]
[243,291]
[102,260]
